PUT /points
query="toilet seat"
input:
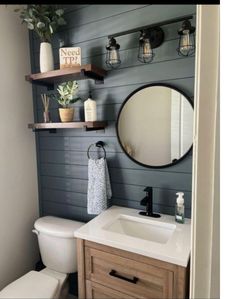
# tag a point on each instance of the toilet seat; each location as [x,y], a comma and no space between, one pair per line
[31,285]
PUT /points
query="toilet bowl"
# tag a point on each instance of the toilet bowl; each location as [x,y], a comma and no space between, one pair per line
[57,246]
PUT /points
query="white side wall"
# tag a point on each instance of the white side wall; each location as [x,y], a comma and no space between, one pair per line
[18,173]
[205,266]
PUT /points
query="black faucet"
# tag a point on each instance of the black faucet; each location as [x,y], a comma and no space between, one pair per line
[147,201]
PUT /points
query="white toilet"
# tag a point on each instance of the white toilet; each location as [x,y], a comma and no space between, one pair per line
[58,251]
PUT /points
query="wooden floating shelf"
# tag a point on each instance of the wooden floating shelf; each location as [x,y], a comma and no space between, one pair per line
[88,126]
[87,71]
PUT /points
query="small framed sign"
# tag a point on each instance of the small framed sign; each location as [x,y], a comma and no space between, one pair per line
[70,57]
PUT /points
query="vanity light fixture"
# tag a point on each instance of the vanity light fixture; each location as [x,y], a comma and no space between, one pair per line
[113,55]
[151,37]
[186,39]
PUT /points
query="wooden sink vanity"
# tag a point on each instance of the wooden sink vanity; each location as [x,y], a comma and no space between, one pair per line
[122,254]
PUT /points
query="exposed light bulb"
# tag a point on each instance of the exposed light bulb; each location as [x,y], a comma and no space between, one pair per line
[185,43]
[113,55]
[186,39]
[147,50]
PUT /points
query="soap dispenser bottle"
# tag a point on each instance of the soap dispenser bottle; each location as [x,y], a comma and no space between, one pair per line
[90,109]
[179,208]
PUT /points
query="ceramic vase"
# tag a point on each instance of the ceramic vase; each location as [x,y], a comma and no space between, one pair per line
[46,116]
[66,114]
[46,57]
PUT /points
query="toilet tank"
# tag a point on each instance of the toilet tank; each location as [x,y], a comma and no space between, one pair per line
[57,243]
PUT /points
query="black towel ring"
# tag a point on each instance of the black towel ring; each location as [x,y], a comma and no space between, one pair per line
[97,144]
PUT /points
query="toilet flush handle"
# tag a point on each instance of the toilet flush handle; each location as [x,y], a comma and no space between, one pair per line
[35,232]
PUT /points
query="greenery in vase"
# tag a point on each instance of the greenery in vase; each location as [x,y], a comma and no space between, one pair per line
[67,92]
[43,19]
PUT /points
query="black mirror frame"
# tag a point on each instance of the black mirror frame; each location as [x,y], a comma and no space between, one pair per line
[121,108]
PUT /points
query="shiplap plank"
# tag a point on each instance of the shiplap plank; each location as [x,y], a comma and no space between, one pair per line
[77,143]
[72,7]
[77,200]
[66,211]
[122,192]
[129,191]
[97,12]
[60,170]
[156,71]
[180,181]
[68,198]
[115,160]
[64,184]
[81,144]
[80,212]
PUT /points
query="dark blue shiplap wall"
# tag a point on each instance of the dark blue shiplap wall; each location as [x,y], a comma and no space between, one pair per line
[62,160]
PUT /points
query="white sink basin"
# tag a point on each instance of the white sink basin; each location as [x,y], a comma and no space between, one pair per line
[123,228]
[141,228]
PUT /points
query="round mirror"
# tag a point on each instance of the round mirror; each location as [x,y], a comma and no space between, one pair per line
[155,125]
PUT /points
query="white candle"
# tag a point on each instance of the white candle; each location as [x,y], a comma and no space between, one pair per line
[90,110]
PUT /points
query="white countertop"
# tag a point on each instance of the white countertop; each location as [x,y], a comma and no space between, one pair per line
[176,250]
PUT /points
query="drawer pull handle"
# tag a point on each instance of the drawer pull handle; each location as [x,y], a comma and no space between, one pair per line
[114,273]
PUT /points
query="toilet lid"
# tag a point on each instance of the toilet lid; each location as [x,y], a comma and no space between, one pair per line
[58,227]
[31,285]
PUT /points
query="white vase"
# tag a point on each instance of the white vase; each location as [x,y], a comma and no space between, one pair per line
[46,57]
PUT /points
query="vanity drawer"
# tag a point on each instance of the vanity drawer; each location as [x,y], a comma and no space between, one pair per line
[98,291]
[134,278]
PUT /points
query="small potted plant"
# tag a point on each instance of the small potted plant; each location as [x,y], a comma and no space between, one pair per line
[67,96]
[44,20]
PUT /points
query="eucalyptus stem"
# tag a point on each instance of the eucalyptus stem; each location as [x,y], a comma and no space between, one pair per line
[43,19]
